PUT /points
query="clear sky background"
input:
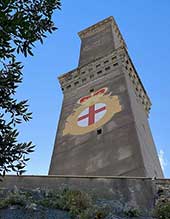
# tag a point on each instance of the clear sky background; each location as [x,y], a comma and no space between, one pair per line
[145,26]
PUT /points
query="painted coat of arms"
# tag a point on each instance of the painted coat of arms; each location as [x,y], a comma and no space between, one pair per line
[94,111]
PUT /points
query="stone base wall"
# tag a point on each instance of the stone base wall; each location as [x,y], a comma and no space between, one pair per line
[162,190]
[121,192]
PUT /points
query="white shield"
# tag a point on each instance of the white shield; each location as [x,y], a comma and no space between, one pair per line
[97,114]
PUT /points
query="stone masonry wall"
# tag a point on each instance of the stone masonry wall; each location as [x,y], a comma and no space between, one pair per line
[162,190]
[120,193]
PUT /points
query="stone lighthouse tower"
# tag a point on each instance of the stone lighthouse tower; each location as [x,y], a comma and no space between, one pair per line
[103,128]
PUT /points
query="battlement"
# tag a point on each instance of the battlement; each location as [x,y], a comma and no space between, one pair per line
[100,68]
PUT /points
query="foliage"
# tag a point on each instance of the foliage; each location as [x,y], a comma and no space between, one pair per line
[80,205]
[76,199]
[94,212]
[132,212]
[13,199]
[70,200]
[22,23]
[162,210]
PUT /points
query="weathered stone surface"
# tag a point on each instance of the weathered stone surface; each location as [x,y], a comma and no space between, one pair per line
[162,190]
[118,193]
[137,192]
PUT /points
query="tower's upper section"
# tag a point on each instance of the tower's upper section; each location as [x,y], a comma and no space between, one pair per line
[103,50]
[99,40]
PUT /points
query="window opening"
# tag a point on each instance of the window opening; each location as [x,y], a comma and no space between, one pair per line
[99,131]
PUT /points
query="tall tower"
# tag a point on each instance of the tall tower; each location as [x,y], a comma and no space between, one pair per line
[103,128]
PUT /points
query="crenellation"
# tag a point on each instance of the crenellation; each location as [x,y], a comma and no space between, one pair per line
[137,85]
[102,66]
[84,74]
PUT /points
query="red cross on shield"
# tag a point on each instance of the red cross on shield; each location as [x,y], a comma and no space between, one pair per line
[91,114]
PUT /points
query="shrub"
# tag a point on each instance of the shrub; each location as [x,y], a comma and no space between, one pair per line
[78,199]
[94,212]
[132,212]
[13,199]
[162,210]
[72,201]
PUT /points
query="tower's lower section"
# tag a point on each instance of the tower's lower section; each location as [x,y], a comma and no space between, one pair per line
[115,148]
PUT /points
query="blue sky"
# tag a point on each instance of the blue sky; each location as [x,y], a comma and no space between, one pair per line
[145,26]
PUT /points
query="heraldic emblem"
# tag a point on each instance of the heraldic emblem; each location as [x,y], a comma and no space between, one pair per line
[94,111]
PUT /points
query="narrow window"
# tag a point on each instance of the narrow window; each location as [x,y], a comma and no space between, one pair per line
[115,64]
[134,76]
[76,83]
[99,72]
[69,86]
[107,68]
[106,61]
[114,57]
[98,65]
[91,90]
[99,131]
[69,78]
